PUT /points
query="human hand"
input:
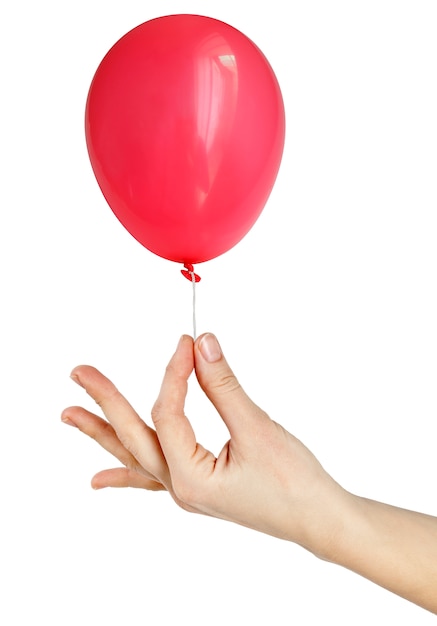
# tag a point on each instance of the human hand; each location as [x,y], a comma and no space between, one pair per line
[264,478]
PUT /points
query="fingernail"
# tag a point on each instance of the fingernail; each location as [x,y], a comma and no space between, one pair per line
[68,421]
[75,378]
[209,348]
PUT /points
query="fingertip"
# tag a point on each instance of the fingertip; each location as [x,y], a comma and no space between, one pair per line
[183,357]
[209,348]
[66,418]
[198,340]
[75,378]
[78,372]
[96,483]
[184,341]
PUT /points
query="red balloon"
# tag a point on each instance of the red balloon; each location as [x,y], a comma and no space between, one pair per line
[185,130]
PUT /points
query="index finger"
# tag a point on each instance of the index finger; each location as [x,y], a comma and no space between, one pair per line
[175,433]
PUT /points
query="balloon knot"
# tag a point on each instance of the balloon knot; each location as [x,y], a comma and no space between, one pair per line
[188,272]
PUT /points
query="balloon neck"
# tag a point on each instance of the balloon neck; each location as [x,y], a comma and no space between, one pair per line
[189,274]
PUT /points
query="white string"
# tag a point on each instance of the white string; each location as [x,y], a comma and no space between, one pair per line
[193,280]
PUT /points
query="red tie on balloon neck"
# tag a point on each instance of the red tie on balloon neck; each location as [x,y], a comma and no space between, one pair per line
[188,272]
[190,275]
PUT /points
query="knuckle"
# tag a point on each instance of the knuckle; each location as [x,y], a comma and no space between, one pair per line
[157,411]
[184,492]
[99,430]
[227,383]
[108,397]
[192,485]
[132,437]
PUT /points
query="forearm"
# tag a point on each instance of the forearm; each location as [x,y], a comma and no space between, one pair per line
[393,547]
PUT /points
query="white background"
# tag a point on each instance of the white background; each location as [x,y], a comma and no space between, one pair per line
[326,311]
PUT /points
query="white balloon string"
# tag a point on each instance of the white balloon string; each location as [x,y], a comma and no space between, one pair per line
[188,272]
[193,280]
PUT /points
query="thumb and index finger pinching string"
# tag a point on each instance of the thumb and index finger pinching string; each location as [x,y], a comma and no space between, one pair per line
[189,274]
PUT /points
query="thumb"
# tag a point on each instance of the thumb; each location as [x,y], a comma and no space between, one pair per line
[221,386]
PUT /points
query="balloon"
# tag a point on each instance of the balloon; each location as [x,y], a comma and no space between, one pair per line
[185,128]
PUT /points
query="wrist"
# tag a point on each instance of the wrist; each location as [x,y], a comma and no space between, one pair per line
[342,529]
[327,523]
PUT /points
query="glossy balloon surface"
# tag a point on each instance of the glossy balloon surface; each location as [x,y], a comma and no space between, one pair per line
[185,131]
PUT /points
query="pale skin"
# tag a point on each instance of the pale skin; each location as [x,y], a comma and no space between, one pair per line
[264,478]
